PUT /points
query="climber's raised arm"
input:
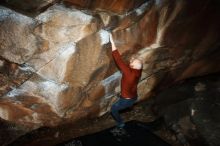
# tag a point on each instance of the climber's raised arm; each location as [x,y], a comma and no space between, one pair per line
[113,43]
[117,57]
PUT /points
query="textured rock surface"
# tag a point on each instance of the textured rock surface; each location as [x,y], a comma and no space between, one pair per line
[18,43]
[29,6]
[191,110]
[183,108]
[58,65]
[118,6]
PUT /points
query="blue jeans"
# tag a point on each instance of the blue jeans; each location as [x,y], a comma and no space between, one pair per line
[121,104]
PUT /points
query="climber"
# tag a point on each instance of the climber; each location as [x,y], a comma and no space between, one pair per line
[130,76]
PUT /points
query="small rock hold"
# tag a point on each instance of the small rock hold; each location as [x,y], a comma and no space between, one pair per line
[200,87]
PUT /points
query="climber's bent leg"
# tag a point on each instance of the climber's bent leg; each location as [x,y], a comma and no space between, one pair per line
[121,104]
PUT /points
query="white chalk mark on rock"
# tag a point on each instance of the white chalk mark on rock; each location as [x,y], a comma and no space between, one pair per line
[56,69]
[141,9]
[192,112]
[108,82]
[104,36]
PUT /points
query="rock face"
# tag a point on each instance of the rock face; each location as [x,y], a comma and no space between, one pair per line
[191,110]
[57,66]
[118,6]
[29,6]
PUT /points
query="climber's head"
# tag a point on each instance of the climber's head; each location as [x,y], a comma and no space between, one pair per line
[136,62]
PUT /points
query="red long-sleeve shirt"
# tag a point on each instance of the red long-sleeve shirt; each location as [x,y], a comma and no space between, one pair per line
[130,77]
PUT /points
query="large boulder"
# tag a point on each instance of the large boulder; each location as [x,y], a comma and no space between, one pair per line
[58,65]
